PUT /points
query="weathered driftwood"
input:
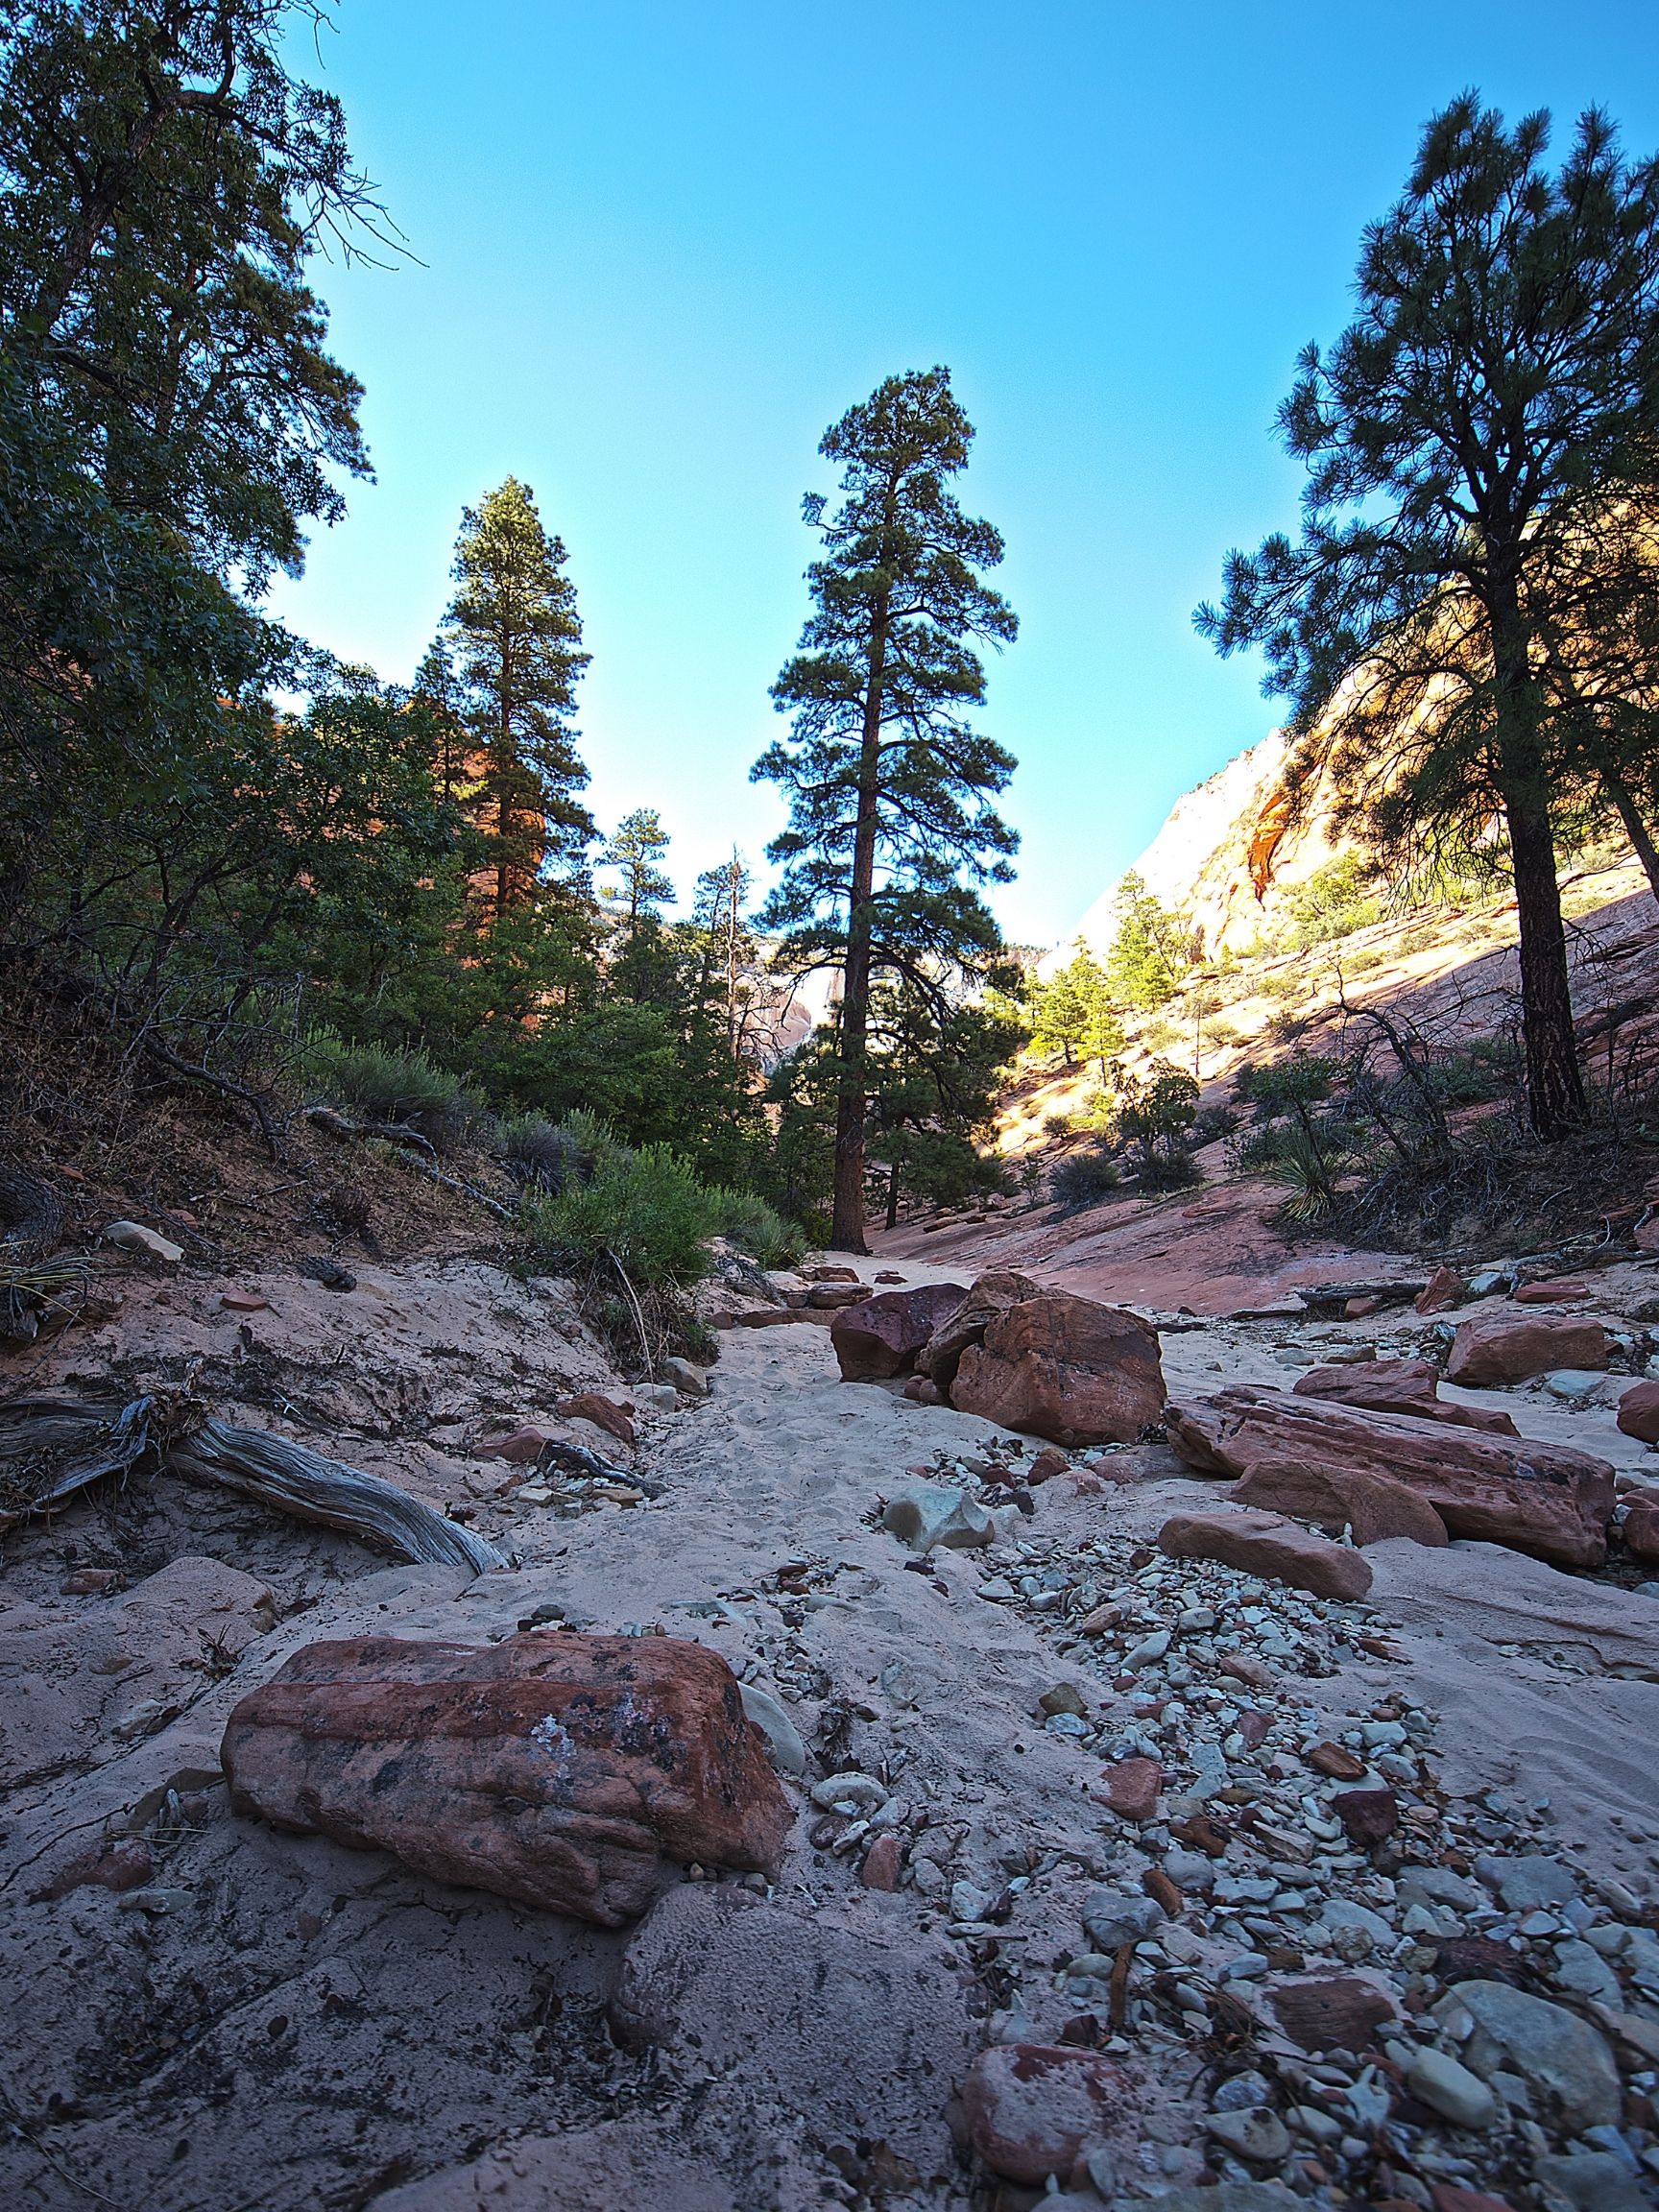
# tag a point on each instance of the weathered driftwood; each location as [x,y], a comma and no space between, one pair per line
[52,1446]
[334,1124]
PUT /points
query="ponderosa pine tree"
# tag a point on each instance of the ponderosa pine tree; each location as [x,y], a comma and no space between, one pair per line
[890,822]
[1499,387]
[518,644]
[636,851]
[727,979]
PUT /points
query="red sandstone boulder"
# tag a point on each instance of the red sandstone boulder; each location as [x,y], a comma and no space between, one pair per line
[831,1297]
[1639,1412]
[1400,1387]
[1033,2108]
[882,1337]
[1550,1292]
[1544,1498]
[991,1293]
[1336,1498]
[559,1770]
[1494,1348]
[1263,1543]
[1064,1368]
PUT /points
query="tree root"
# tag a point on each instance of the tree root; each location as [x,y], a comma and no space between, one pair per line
[51,1447]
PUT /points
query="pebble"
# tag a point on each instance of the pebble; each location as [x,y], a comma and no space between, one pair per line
[1594,2181]
[1113,1919]
[1063,1698]
[1260,2137]
[1526,1883]
[850,1791]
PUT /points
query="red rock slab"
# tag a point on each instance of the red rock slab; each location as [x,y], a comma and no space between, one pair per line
[603,1412]
[1496,1348]
[1443,1290]
[1336,1498]
[1033,2108]
[1333,2012]
[1549,1293]
[1130,1789]
[827,1297]
[521,1447]
[1548,1500]
[1399,1387]
[244,1301]
[558,1770]
[881,1336]
[1639,1412]
[1266,1544]
[1066,1369]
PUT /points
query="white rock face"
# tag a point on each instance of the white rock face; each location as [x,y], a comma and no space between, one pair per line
[1199,863]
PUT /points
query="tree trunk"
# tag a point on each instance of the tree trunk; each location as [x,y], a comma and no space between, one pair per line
[1554,1087]
[1635,829]
[847,1220]
[893,1196]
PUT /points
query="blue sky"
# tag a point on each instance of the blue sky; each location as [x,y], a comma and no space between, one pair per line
[661,247]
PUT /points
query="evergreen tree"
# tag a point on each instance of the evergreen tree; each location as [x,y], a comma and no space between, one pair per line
[635,850]
[889,784]
[728,978]
[1151,950]
[1074,1013]
[935,1077]
[1499,386]
[516,637]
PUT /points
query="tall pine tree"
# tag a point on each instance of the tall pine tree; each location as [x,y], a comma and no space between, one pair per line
[516,642]
[1497,389]
[890,822]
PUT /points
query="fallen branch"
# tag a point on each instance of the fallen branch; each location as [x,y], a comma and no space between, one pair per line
[50,1447]
[330,1119]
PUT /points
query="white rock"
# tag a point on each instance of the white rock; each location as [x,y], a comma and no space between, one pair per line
[782,1738]
[862,1791]
[694,1380]
[1450,2089]
[134,1237]
[929,1514]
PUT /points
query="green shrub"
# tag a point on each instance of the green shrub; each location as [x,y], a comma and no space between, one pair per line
[1083,1179]
[1337,900]
[384,1085]
[644,1209]
[757,1228]
[538,1154]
